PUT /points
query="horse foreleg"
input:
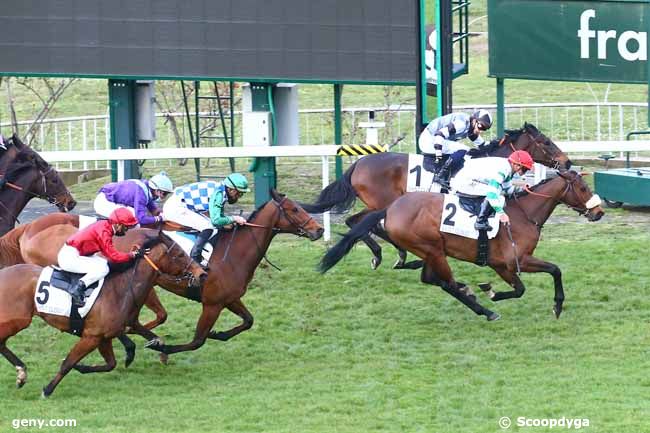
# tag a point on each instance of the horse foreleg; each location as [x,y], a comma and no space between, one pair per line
[533,264]
[208,317]
[152,339]
[510,277]
[106,349]
[239,309]
[129,347]
[153,303]
[78,352]
[436,271]
[367,239]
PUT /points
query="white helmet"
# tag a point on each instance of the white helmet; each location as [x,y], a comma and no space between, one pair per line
[484,118]
[161,182]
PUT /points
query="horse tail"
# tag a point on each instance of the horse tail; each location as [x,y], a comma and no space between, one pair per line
[342,247]
[339,193]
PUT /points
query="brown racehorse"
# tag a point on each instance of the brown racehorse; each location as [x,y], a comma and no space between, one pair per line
[39,242]
[235,256]
[122,297]
[413,223]
[27,176]
[379,179]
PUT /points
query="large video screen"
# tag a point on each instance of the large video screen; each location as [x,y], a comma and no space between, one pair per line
[278,40]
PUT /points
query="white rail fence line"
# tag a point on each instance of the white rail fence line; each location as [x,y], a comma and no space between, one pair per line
[561,122]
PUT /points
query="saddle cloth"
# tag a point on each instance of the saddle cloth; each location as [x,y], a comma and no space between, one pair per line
[52,292]
[419,179]
[458,221]
[186,241]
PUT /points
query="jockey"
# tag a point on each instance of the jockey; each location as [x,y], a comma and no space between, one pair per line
[137,196]
[79,254]
[185,205]
[491,177]
[441,135]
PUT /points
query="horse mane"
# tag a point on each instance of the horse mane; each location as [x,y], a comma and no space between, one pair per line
[22,162]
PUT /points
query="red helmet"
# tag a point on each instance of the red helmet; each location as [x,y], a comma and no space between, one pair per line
[122,216]
[522,158]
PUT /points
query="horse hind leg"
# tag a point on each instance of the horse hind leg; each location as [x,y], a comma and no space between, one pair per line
[7,331]
[367,239]
[436,271]
[106,349]
[78,352]
[21,368]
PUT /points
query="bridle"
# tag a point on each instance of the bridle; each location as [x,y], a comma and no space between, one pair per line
[185,273]
[548,156]
[44,196]
[301,232]
[568,187]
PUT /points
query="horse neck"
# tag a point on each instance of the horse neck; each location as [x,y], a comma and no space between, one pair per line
[12,204]
[250,244]
[539,209]
[10,247]
[133,286]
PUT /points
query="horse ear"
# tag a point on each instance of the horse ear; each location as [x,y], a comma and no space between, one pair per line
[276,196]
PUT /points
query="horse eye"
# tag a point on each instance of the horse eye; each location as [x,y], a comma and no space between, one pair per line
[294,210]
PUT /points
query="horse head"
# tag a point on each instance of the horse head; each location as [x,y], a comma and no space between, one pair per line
[294,219]
[168,258]
[543,150]
[42,180]
[578,196]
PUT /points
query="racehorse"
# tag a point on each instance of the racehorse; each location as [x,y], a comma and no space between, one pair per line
[27,176]
[379,179]
[38,242]
[122,296]
[413,223]
[235,256]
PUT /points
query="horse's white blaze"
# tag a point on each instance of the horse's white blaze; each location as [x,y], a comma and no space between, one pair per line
[593,202]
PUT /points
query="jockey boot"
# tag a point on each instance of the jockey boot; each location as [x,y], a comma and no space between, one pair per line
[197,249]
[78,294]
[442,176]
[482,217]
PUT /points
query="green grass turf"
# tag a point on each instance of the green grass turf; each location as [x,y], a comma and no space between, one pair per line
[361,351]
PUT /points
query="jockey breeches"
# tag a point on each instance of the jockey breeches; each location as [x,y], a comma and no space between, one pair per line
[426,143]
[175,210]
[104,207]
[94,267]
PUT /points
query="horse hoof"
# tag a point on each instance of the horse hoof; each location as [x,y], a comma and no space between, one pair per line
[398,264]
[21,377]
[493,316]
[374,263]
[164,358]
[557,311]
[486,287]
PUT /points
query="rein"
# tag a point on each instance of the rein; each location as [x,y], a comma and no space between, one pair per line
[43,196]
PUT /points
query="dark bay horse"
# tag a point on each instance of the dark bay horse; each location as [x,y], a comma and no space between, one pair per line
[413,223]
[379,179]
[27,176]
[235,256]
[118,305]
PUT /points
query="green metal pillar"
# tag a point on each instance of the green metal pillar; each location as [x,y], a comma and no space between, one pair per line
[501,112]
[338,130]
[121,95]
[264,168]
